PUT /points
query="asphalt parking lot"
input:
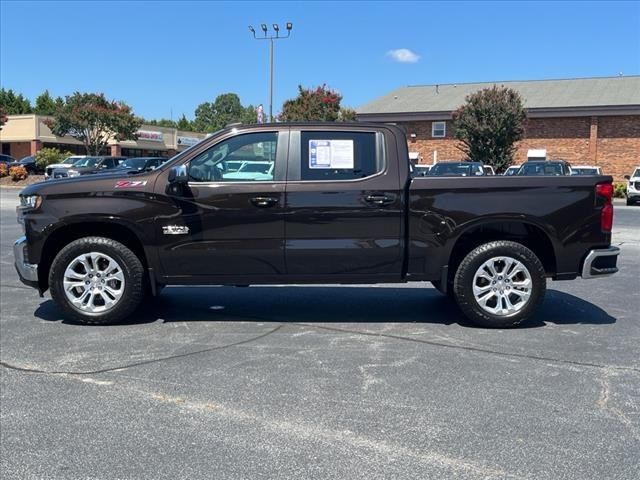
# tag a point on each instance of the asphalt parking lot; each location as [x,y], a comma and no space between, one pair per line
[323,382]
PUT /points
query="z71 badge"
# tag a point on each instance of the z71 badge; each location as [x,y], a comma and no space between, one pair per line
[130,184]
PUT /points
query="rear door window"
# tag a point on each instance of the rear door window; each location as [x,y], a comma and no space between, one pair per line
[327,155]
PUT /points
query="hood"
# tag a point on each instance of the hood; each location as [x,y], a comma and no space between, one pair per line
[83,170]
[98,183]
[59,165]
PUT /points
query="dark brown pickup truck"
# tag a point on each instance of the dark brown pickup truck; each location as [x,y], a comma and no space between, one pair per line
[310,203]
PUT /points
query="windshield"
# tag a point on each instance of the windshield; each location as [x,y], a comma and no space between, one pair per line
[28,159]
[636,173]
[71,160]
[136,163]
[541,168]
[86,162]
[184,152]
[455,170]
[584,171]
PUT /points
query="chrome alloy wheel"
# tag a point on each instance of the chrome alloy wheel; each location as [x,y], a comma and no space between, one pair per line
[93,282]
[502,286]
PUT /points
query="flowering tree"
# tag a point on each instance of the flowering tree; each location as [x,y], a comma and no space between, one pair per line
[94,120]
[321,104]
[489,124]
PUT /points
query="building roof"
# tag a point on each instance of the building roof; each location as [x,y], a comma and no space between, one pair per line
[566,94]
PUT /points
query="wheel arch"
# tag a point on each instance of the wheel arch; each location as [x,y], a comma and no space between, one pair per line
[522,231]
[70,232]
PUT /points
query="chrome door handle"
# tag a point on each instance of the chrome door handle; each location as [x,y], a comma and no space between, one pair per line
[379,199]
[264,202]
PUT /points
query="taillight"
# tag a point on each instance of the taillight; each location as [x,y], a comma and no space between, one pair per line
[605,191]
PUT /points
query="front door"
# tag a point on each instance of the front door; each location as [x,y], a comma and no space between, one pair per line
[228,224]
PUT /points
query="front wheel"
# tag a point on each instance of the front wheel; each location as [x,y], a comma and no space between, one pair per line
[499,284]
[97,280]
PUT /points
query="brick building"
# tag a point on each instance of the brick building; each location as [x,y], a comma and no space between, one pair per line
[592,121]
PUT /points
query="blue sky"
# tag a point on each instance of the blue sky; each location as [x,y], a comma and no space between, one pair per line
[164,58]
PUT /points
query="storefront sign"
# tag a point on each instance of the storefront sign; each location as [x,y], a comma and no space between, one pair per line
[187,141]
[150,136]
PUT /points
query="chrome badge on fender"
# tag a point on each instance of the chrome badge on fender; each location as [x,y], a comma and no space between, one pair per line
[175,230]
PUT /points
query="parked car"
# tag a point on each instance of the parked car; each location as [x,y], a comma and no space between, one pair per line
[633,187]
[67,163]
[512,170]
[139,164]
[421,170]
[29,163]
[88,166]
[488,170]
[456,169]
[341,207]
[547,168]
[586,170]
[7,159]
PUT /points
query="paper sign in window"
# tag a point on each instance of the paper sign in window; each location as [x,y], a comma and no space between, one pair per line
[334,154]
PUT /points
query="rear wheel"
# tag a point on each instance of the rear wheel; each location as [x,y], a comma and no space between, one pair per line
[500,284]
[629,202]
[97,280]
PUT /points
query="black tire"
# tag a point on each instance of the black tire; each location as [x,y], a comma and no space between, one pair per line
[629,202]
[132,270]
[464,278]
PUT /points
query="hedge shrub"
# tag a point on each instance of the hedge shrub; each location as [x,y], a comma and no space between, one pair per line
[18,173]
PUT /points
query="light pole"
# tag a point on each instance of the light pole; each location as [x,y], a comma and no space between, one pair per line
[271,37]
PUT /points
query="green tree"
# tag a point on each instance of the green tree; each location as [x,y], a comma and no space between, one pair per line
[47,156]
[94,120]
[14,104]
[347,115]
[3,117]
[489,124]
[45,104]
[184,124]
[163,122]
[225,109]
[320,103]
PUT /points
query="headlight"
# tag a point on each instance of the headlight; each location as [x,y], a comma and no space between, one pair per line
[74,173]
[31,201]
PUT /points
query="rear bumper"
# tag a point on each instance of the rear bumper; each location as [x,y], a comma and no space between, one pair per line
[601,262]
[27,272]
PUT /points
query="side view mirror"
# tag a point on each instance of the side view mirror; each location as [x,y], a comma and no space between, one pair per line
[178,174]
[627,177]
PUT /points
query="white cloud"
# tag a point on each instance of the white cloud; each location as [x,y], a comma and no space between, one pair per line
[403,55]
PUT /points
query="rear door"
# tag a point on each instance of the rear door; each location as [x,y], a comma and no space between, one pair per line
[344,205]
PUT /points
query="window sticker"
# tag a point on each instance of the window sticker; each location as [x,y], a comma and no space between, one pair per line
[334,154]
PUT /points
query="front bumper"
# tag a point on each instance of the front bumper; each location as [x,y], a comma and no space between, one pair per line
[27,272]
[601,262]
